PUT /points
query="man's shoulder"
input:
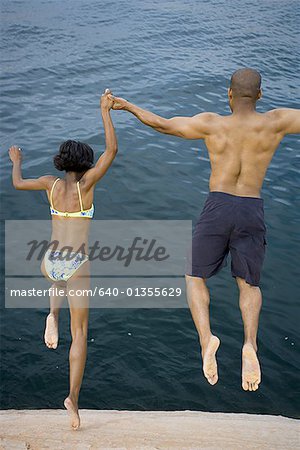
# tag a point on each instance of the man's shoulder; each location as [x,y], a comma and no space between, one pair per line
[278,113]
[209,116]
[277,117]
[286,120]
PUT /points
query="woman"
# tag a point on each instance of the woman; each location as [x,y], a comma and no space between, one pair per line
[71,208]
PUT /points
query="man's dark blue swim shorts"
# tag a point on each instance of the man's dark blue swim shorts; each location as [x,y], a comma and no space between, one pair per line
[229,223]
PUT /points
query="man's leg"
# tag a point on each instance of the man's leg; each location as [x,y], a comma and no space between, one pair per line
[198,300]
[250,305]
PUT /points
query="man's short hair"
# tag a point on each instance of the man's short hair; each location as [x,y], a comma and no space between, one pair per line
[246,83]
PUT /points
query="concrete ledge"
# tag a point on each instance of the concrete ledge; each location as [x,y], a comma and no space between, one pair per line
[134,430]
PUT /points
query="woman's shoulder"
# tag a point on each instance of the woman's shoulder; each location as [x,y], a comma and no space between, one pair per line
[48,180]
[85,183]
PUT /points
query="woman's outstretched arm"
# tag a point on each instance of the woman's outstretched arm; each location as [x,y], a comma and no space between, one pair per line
[92,176]
[34,184]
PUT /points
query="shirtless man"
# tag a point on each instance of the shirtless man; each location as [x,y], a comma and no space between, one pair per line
[240,147]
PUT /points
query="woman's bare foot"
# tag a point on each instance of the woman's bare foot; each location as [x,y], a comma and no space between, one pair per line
[72,408]
[51,331]
[250,368]
[210,368]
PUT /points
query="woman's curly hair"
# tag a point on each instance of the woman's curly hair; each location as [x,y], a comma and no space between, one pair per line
[74,156]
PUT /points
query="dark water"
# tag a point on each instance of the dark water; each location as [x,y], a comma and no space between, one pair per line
[175,58]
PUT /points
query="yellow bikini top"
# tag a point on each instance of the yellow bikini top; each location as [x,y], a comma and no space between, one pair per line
[88,213]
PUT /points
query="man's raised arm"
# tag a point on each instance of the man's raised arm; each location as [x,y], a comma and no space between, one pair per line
[196,127]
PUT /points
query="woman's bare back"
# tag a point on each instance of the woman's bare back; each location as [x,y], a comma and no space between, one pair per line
[69,231]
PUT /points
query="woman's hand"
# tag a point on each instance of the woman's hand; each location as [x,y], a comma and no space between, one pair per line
[106,102]
[15,154]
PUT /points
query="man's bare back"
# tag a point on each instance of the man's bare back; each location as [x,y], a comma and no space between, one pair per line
[241,147]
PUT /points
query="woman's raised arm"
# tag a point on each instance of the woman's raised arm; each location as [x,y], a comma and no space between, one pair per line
[92,176]
[34,184]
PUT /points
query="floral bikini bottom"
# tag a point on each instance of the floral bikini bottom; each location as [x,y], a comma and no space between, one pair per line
[60,266]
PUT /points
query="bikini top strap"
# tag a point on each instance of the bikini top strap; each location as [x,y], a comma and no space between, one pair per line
[79,195]
[51,192]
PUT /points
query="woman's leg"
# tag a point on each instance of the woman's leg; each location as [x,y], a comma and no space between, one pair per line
[79,309]
[57,295]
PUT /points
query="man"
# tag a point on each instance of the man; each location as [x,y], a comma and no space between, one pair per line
[240,147]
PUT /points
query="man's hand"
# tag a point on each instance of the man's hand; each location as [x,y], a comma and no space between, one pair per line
[118,102]
[15,154]
[106,101]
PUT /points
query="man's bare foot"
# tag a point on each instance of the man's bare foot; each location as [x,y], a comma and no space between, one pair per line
[210,368]
[250,369]
[73,412]
[51,331]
